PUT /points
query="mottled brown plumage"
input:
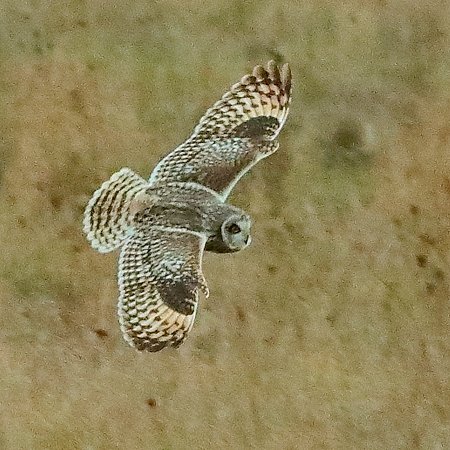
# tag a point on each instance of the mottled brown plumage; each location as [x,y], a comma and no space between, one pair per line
[164,225]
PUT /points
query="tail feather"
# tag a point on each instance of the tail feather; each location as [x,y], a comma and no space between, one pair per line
[109,213]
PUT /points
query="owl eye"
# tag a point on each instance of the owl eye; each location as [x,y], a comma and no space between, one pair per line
[234,228]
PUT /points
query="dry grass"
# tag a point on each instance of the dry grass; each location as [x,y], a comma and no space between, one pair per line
[333,329]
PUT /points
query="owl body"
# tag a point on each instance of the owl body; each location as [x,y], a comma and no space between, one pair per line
[163,226]
[187,206]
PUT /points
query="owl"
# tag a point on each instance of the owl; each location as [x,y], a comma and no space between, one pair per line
[163,225]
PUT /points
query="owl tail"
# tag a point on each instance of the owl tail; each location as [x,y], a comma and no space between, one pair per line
[109,214]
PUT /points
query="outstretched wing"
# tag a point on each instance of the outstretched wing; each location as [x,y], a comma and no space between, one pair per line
[159,282]
[233,135]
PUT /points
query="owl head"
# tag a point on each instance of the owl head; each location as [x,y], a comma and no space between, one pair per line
[233,235]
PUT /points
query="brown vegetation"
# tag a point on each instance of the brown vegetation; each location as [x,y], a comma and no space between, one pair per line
[333,329]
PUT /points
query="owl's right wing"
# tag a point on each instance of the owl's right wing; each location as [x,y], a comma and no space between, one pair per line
[160,278]
[234,134]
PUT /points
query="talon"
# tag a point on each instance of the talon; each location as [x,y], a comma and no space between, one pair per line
[205,290]
[204,287]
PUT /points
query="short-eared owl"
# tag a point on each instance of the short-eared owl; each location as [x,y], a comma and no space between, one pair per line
[163,225]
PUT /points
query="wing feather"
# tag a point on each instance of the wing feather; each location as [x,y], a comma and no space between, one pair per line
[234,134]
[159,282]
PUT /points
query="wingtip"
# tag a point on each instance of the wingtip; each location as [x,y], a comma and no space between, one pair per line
[286,77]
[281,76]
[246,80]
[259,72]
[274,71]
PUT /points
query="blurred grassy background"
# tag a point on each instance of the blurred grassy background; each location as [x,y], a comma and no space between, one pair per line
[332,329]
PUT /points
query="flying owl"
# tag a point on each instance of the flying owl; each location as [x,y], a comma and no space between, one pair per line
[162,226]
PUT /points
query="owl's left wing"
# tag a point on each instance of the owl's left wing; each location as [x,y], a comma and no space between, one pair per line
[160,278]
[238,131]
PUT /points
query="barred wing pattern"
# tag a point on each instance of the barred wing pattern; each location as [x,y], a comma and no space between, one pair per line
[160,278]
[162,225]
[265,93]
[233,135]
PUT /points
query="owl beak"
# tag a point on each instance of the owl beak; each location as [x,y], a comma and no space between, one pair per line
[248,240]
